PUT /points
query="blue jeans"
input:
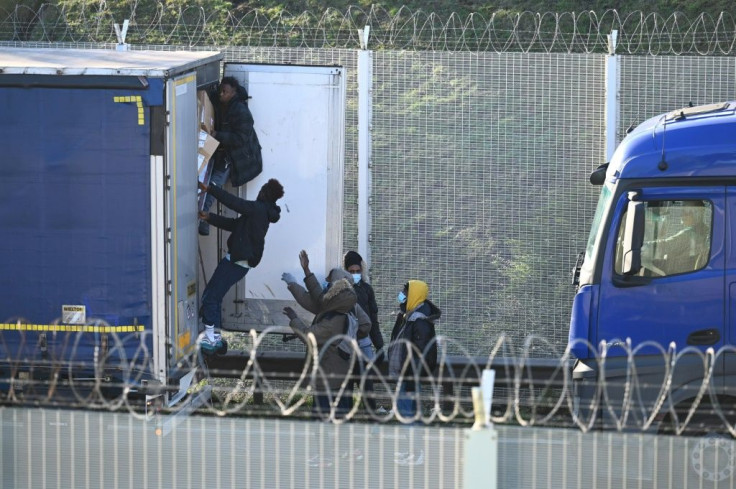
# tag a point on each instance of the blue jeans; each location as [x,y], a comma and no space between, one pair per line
[406,405]
[322,405]
[218,177]
[226,275]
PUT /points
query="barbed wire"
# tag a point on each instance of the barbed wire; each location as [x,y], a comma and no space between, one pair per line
[567,32]
[95,367]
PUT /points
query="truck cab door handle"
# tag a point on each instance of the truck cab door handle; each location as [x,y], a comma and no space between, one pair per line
[704,337]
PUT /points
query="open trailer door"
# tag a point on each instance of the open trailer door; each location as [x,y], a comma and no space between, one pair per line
[299,114]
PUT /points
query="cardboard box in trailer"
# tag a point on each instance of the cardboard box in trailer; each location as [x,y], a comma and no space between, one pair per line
[98,214]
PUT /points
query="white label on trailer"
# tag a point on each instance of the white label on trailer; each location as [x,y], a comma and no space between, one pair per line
[74,314]
[181,89]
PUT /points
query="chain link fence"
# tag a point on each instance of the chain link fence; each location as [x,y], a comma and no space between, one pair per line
[480,152]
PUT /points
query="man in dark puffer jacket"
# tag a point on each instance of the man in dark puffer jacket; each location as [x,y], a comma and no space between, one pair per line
[234,129]
[245,249]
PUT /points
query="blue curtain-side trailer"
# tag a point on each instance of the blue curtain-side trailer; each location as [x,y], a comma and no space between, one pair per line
[98,214]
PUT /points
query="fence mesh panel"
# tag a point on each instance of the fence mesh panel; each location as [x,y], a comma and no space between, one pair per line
[479,171]
[652,85]
[480,166]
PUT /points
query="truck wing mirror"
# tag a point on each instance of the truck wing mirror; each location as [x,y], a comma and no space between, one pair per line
[633,238]
[598,176]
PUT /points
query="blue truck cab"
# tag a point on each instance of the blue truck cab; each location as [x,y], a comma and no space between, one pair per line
[655,306]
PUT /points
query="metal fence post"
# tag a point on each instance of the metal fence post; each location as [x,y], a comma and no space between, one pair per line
[612,95]
[480,443]
[365,102]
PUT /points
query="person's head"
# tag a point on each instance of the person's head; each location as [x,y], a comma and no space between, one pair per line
[414,293]
[353,263]
[271,191]
[340,295]
[228,89]
[335,275]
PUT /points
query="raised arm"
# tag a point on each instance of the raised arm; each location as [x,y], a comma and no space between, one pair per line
[237,204]
[302,297]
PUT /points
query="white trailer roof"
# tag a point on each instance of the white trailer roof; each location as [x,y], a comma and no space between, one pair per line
[42,61]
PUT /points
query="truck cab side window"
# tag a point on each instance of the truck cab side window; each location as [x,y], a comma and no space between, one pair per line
[677,235]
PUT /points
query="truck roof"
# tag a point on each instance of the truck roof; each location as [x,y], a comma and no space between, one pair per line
[53,61]
[689,142]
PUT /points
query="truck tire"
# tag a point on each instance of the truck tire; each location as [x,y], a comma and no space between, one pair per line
[712,462]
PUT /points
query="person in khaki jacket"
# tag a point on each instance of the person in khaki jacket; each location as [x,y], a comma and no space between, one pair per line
[330,307]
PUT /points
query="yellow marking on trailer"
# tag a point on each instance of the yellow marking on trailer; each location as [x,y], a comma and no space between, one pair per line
[183,340]
[186,79]
[74,328]
[138,101]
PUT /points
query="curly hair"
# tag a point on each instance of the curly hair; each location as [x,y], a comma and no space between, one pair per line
[271,191]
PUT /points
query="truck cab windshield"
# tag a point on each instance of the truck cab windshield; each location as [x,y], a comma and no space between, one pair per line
[603,203]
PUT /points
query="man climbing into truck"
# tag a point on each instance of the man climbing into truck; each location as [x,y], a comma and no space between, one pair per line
[239,154]
[245,249]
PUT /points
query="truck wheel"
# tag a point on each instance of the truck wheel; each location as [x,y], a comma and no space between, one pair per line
[710,456]
[712,461]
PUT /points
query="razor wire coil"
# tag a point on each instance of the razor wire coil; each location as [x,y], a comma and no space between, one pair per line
[639,32]
[45,374]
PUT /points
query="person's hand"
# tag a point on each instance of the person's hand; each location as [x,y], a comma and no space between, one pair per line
[304,261]
[205,216]
[289,313]
[203,187]
[288,278]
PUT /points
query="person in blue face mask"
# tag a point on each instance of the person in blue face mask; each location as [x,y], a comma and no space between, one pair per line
[414,326]
[356,267]
[412,355]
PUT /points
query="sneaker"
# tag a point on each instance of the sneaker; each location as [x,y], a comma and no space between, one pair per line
[411,458]
[211,347]
[204,228]
[381,410]
[320,462]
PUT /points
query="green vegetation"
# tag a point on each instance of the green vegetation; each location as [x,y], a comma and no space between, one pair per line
[464,7]
[325,23]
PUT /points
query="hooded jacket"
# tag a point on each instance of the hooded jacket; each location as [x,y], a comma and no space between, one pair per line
[248,231]
[311,298]
[238,140]
[416,325]
[330,321]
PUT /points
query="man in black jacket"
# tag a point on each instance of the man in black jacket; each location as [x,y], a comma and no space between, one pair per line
[239,154]
[245,249]
[355,266]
